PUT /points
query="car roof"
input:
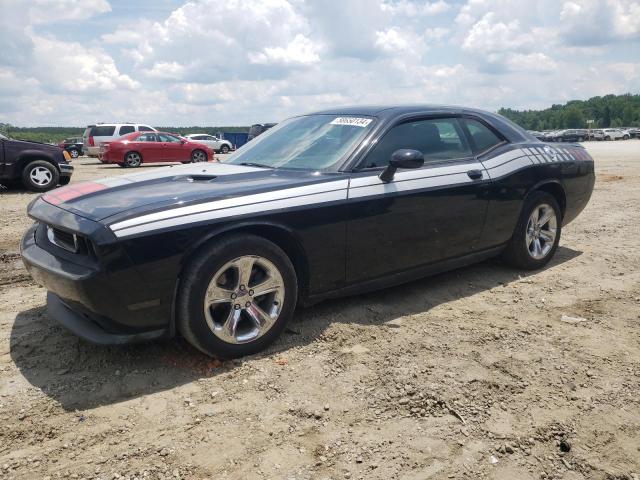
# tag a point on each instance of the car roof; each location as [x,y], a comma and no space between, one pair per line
[509,129]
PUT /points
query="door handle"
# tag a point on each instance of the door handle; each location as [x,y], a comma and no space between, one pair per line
[475,174]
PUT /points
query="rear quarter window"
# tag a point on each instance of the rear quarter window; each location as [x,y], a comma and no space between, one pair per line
[127,129]
[483,137]
[103,131]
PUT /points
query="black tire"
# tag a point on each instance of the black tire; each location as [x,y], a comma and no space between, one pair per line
[74,153]
[224,149]
[517,252]
[194,282]
[40,176]
[198,156]
[65,180]
[626,137]
[607,138]
[132,160]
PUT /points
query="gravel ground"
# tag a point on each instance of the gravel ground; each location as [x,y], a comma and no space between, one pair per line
[483,372]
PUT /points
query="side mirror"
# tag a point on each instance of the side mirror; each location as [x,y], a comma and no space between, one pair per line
[403,158]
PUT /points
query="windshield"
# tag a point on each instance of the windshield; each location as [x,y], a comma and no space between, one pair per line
[312,142]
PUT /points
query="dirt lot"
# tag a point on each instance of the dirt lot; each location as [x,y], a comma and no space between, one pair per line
[470,374]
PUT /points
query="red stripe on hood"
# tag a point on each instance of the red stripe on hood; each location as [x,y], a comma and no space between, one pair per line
[64,194]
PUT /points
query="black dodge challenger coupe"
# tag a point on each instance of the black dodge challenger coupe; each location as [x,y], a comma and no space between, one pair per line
[322,205]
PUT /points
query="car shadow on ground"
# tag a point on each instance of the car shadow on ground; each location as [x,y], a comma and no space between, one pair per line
[79,375]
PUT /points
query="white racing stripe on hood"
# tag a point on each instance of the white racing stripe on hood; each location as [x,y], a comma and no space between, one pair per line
[277,199]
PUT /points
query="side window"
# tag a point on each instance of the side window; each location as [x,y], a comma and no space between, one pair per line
[147,137]
[437,139]
[168,138]
[144,128]
[482,136]
[127,129]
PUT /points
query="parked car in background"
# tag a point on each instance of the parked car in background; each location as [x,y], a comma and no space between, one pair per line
[572,135]
[258,129]
[73,146]
[214,143]
[137,148]
[615,134]
[597,134]
[633,132]
[38,166]
[332,203]
[94,135]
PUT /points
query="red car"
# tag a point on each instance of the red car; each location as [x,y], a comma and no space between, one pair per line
[137,148]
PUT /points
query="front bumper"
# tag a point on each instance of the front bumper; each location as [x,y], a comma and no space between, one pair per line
[86,300]
[66,170]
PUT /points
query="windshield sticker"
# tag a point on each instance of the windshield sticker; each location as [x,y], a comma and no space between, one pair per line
[353,121]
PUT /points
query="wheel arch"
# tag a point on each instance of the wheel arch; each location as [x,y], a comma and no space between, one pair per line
[278,234]
[555,188]
[29,156]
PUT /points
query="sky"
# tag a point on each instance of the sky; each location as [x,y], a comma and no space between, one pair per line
[238,62]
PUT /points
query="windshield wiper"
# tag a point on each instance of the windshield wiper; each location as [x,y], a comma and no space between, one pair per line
[253,164]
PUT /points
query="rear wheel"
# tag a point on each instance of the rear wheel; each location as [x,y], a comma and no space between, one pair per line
[74,153]
[198,156]
[535,239]
[132,159]
[40,176]
[236,296]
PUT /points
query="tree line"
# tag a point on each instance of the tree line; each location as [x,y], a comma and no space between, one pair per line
[607,111]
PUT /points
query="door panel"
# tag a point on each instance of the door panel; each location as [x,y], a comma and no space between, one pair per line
[172,149]
[148,145]
[421,217]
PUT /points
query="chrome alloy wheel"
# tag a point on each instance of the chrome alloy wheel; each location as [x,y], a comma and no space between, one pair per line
[541,231]
[244,299]
[198,156]
[132,159]
[41,176]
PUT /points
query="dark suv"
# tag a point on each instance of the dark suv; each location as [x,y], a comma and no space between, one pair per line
[38,166]
[258,129]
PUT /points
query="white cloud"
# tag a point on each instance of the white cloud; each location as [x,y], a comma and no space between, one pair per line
[49,11]
[412,8]
[300,51]
[73,68]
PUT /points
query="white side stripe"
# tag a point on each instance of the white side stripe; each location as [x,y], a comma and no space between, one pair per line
[235,211]
[287,193]
[509,167]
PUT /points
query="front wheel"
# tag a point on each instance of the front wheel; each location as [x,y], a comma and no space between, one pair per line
[74,153]
[40,176]
[236,296]
[535,239]
[224,149]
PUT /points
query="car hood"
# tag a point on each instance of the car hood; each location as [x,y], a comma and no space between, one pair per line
[116,199]
[26,144]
